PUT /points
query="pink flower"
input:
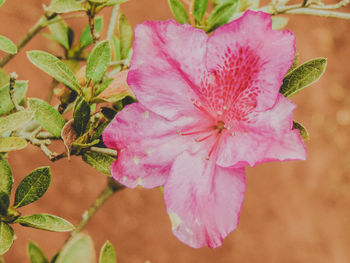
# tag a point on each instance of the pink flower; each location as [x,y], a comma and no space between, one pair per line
[208,106]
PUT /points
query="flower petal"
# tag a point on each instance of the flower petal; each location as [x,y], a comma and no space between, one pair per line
[268,136]
[167,62]
[203,200]
[250,60]
[147,145]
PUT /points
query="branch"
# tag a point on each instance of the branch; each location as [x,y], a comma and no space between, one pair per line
[317,12]
[111,188]
[31,33]
[311,8]
[107,151]
[42,144]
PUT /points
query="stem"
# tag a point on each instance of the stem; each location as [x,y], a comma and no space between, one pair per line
[91,15]
[111,188]
[32,32]
[112,22]
[107,151]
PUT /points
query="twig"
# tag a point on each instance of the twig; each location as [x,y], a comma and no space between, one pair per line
[31,137]
[310,9]
[111,188]
[112,22]
[107,151]
[318,12]
[31,33]
[13,77]
[91,16]
[328,7]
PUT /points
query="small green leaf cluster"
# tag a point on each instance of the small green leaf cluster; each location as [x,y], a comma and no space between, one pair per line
[30,189]
[83,88]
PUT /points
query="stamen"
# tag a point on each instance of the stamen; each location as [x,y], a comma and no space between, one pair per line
[197,104]
[214,146]
[197,132]
[203,139]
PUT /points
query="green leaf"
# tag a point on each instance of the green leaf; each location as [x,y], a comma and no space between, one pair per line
[200,6]
[302,130]
[86,38]
[107,254]
[66,6]
[46,222]
[81,116]
[55,68]
[6,179]
[221,14]
[15,121]
[125,36]
[4,203]
[179,11]
[36,255]
[279,22]
[33,186]
[116,48]
[79,249]
[303,76]
[7,45]
[98,61]
[12,144]
[20,90]
[60,32]
[6,237]
[48,117]
[99,161]
[2,2]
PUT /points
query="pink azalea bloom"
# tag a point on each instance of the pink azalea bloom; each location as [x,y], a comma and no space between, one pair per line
[208,106]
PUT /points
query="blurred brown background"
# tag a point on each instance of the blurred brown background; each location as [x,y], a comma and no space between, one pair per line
[293,212]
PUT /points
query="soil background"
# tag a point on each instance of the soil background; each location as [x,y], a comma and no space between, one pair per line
[293,211]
